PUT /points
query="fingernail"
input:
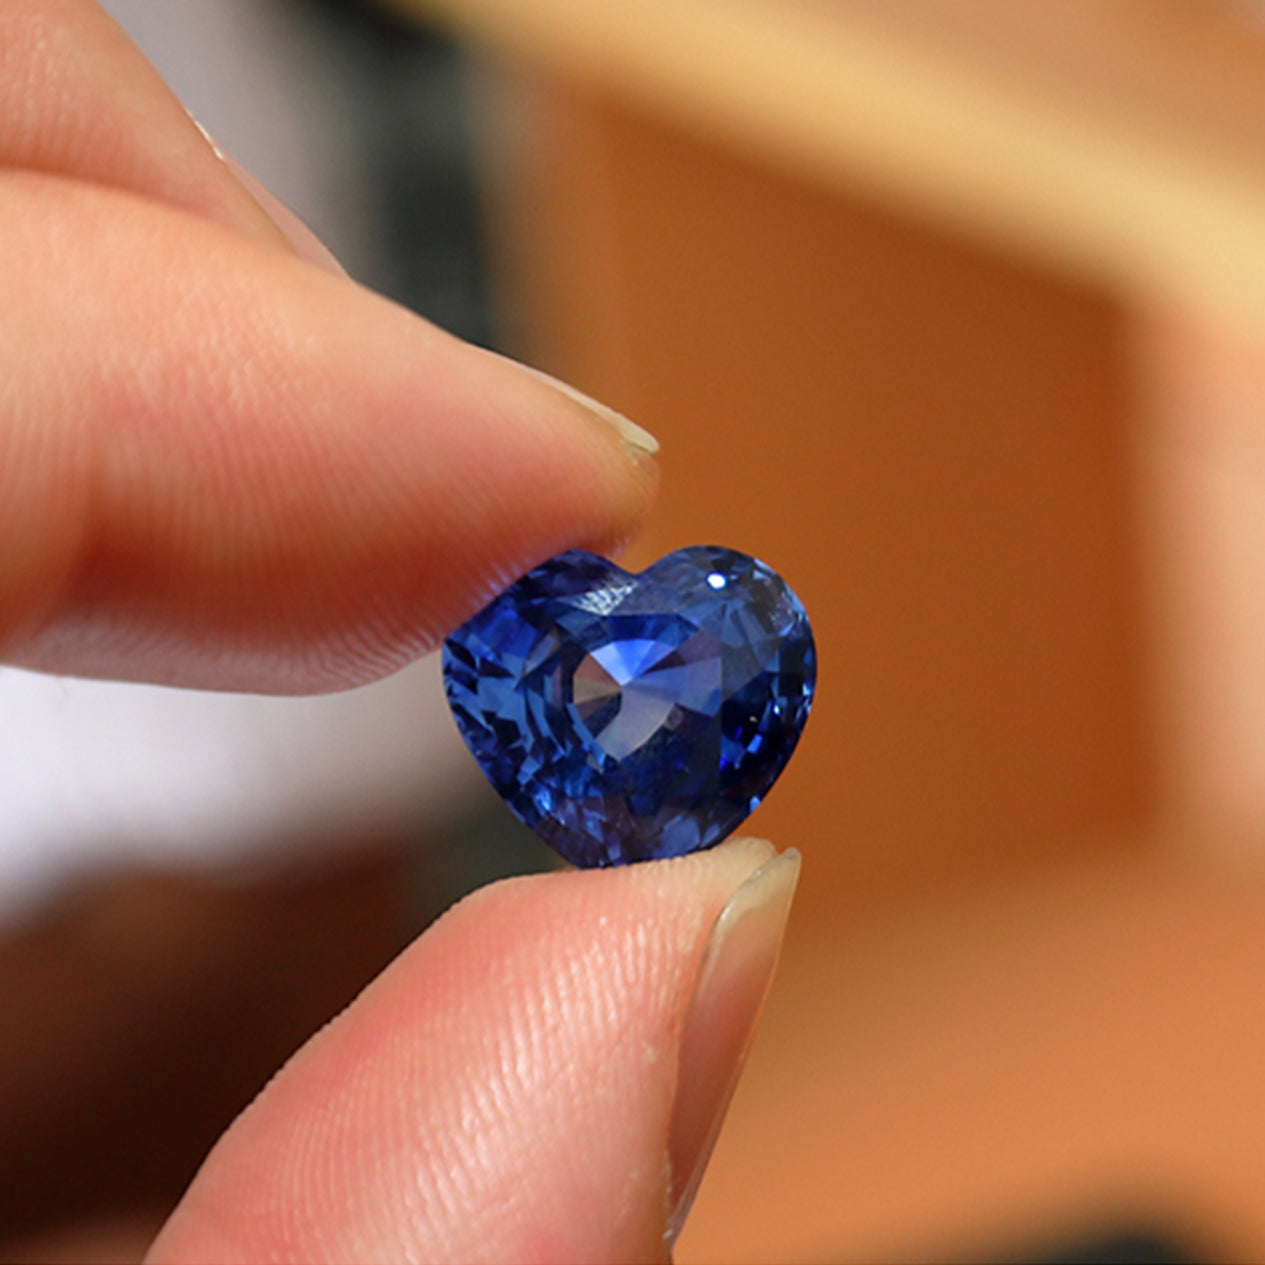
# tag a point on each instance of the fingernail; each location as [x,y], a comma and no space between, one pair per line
[303,241]
[738,966]
[641,441]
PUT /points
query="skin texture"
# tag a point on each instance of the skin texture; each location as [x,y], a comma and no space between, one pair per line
[225,465]
[504,1092]
[240,471]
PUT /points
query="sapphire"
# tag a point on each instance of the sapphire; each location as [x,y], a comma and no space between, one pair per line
[630,717]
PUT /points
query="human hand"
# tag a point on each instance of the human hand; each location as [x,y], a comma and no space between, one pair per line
[225,465]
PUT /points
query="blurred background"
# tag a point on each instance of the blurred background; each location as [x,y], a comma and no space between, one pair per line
[953,311]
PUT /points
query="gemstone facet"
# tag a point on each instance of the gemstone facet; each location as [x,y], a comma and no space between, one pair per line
[631,717]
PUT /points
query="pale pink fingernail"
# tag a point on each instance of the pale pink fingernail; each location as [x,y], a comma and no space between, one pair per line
[738,966]
[640,440]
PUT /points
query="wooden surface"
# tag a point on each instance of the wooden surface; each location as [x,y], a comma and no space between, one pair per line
[1002,127]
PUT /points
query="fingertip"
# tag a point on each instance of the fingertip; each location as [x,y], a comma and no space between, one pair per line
[641,443]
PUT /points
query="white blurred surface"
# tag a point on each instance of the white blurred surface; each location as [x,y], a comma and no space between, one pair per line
[95,772]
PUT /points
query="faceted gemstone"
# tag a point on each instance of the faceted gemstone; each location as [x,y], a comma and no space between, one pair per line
[628,717]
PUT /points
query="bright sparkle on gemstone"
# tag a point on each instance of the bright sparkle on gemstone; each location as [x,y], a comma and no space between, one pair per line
[629,717]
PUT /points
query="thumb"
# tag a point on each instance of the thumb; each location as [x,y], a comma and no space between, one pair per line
[539,1078]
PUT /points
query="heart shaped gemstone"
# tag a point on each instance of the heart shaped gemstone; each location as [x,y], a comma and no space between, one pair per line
[630,717]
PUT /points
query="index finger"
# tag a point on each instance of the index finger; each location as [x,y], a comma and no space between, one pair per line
[221,467]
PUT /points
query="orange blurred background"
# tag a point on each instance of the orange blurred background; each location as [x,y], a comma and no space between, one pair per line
[954,312]
[951,310]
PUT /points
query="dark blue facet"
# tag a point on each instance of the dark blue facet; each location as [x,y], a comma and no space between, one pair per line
[631,717]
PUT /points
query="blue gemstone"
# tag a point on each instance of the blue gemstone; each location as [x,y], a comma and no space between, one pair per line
[630,717]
